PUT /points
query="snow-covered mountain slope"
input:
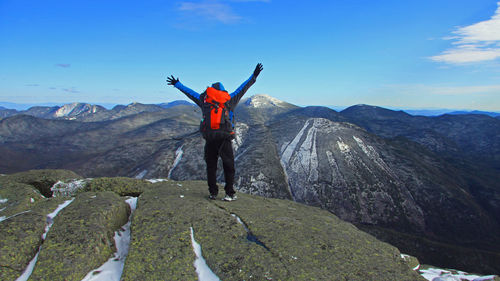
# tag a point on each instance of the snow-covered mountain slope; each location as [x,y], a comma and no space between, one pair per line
[76,109]
[262,101]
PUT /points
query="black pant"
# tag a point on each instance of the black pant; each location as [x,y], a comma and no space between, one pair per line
[224,149]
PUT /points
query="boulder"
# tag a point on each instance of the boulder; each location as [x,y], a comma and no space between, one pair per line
[253,238]
[22,236]
[81,238]
[119,185]
[42,180]
[16,197]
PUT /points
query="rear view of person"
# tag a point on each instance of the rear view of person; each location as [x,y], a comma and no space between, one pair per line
[217,128]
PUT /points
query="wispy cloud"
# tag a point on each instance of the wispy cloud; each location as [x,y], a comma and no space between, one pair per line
[71,90]
[63,65]
[478,42]
[218,11]
[266,1]
[211,10]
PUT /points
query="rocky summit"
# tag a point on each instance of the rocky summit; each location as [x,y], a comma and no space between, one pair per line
[254,238]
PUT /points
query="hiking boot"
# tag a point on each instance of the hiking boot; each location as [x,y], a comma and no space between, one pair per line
[230,197]
[212,197]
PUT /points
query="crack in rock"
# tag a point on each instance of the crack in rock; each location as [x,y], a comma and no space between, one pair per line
[274,254]
[250,236]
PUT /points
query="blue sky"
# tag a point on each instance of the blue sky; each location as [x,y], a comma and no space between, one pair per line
[393,53]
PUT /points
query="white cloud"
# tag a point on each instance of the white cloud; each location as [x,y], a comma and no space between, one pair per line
[468,54]
[474,43]
[211,10]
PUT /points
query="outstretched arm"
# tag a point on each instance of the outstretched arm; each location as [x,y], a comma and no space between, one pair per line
[238,94]
[194,96]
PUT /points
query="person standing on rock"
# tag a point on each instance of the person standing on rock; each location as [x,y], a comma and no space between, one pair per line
[217,128]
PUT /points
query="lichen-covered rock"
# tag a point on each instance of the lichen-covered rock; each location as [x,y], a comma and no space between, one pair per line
[42,180]
[160,247]
[16,197]
[21,236]
[7,273]
[81,238]
[120,185]
[253,238]
[275,240]
[313,244]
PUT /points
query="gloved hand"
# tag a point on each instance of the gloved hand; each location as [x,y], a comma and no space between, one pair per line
[257,70]
[172,81]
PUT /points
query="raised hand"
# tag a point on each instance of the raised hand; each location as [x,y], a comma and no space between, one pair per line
[257,70]
[172,81]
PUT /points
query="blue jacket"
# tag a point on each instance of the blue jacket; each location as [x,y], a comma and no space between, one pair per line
[235,96]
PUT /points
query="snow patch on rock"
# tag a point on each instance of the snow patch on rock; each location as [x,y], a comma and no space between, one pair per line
[66,109]
[373,155]
[260,182]
[66,189]
[50,221]
[2,218]
[204,272]
[288,149]
[437,274]
[112,270]
[344,148]
[156,180]
[239,131]
[178,156]
[263,101]
[300,159]
[141,175]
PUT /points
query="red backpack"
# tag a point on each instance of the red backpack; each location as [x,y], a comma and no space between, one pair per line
[216,122]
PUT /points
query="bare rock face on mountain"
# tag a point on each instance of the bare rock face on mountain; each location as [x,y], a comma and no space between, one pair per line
[70,111]
[472,136]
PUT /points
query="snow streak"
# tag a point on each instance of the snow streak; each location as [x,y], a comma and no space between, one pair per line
[6,218]
[112,270]
[204,272]
[287,151]
[50,221]
[441,274]
[178,157]
[141,174]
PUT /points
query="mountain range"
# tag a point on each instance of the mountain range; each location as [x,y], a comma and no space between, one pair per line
[428,185]
[10,109]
